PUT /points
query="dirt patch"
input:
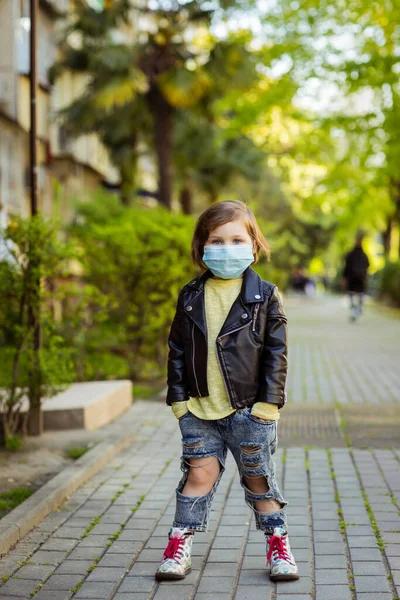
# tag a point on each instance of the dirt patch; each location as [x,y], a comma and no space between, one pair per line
[29,469]
[43,457]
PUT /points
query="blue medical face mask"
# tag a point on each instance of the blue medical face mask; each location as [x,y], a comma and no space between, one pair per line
[228,261]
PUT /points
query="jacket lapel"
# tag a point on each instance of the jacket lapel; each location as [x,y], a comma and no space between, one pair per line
[195,308]
[240,313]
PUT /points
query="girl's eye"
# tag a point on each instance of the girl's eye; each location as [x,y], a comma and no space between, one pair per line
[235,241]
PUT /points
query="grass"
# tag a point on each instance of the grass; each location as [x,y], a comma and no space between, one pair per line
[94,564]
[113,537]
[342,522]
[118,493]
[37,588]
[146,392]
[76,452]
[89,528]
[379,541]
[343,424]
[138,503]
[12,498]
[77,587]
[168,462]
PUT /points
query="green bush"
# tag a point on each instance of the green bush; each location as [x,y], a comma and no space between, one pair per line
[134,260]
[389,282]
[14,442]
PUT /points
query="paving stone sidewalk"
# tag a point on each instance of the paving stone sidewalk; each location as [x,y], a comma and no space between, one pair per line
[106,541]
[334,361]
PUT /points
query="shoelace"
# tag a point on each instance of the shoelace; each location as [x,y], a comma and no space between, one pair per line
[174,548]
[277,543]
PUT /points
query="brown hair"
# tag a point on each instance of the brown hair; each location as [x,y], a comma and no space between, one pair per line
[220,213]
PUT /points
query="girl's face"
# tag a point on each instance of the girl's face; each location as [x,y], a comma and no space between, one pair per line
[231,233]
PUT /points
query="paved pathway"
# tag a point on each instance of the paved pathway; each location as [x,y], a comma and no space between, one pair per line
[106,541]
[332,360]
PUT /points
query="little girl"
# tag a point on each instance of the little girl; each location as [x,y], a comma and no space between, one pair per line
[227,370]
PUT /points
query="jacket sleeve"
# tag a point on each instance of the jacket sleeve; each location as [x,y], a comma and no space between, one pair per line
[273,368]
[177,383]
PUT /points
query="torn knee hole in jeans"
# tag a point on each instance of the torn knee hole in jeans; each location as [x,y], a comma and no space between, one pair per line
[258,493]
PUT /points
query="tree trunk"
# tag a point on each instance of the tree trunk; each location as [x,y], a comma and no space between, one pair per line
[185,199]
[387,237]
[162,114]
[35,419]
[127,173]
[35,416]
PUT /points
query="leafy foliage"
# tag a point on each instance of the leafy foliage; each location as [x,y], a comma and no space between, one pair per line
[134,261]
[31,254]
[389,278]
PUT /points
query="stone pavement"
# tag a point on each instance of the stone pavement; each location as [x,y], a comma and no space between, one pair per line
[106,541]
[332,360]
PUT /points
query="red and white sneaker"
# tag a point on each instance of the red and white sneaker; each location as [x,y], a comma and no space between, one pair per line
[177,561]
[280,558]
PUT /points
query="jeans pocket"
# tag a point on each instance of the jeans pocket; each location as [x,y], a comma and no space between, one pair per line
[268,430]
[256,419]
[183,416]
[183,419]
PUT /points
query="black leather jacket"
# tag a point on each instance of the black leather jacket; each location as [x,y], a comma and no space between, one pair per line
[251,346]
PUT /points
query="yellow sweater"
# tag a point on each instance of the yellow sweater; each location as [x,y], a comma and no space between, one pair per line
[219,295]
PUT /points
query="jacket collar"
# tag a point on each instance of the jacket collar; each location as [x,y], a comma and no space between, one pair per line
[251,290]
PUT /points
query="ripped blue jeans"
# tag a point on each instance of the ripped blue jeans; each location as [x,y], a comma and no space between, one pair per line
[252,443]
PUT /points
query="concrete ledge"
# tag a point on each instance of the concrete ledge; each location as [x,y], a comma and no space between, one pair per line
[87,405]
[21,520]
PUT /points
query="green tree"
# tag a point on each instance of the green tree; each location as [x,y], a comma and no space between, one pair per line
[139,89]
[353,55]
[207,158]
[112,103]
[31,253]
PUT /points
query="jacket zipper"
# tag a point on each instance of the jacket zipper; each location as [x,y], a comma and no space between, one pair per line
[193,362]
[256,309]
[220,365]
[223,377]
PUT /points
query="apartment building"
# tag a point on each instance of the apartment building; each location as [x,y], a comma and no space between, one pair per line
[67,168]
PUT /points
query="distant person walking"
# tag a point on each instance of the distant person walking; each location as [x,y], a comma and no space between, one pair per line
[355,276]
